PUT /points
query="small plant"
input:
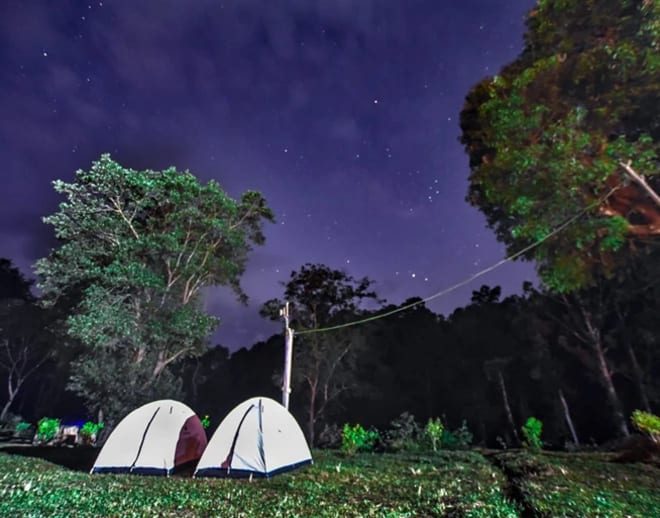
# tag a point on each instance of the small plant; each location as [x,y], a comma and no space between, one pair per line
[89,431]
[206,422]
[47,429]
[460,438]
[355,438]
[22,427]
[403,433]
[434,430]
[647,423]
[532,432]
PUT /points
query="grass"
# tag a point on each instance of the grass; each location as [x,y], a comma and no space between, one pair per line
[590,485]
[453,484]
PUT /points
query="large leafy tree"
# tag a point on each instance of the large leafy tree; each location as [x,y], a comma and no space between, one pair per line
[324,364]
[138,247]
[572,124]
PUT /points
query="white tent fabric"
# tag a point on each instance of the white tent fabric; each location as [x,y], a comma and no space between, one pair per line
[259,437]
[153,439]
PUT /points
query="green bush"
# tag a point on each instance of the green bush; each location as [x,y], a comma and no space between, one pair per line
[206,422]
[433,431]
[647,423]
[355,438]
[47,428]
[22,426]
[532,433]
[459,439]
[403,433]
[89,429]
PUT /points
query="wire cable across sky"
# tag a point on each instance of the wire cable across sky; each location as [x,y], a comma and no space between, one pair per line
[468,280]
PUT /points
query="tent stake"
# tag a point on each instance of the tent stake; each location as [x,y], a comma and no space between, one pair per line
[288,354]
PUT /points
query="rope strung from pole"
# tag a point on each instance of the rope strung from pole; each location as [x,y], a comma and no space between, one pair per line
[554,232]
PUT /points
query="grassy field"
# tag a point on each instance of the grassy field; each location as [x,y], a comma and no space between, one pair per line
[469,484]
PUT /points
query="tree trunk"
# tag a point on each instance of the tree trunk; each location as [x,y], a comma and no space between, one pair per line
[507,407]
[567,416]
[637,374]
[603,369]
[312,417]
[608,384]
[13,391]
[5,410]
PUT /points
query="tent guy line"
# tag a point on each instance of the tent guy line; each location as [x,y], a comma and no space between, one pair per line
[489,269]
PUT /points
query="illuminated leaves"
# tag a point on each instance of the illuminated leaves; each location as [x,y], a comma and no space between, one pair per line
[547,135]
[139,246]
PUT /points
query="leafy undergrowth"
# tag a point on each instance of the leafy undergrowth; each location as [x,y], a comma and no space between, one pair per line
[448,484]
[583,485]
[451,484]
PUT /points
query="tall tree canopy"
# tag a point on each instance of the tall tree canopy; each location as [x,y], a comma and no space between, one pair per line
[573,123]
[139,246]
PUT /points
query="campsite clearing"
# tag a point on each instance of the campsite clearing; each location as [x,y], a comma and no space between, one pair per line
[462,483]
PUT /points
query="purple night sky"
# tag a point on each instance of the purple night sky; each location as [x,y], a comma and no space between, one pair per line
[343,113]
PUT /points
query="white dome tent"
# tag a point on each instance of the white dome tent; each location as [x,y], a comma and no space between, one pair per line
[258,438]
[154,439]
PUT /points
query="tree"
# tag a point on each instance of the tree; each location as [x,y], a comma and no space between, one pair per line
[25,337]
[140,246]
[323,363]
[583,316]
[572,125]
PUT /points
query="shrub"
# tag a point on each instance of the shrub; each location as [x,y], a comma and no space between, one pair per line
[89,429]
[22,426]
[206,422]
[403,433]
[355,438]
[532,432]
[433,431]
[458,439]
[47,428]
[647,423]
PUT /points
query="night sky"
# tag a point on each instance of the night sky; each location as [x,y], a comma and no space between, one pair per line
[343,113]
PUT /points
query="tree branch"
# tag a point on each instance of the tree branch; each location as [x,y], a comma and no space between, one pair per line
[123,216]
[639,180]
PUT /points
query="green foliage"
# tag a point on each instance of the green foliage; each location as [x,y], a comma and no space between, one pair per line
[89,429]
[548,134]
[138,247]
[532,432]
[647,423]
[117,384]
[23,426]
[449,484]
[434,431]
[47,428]
[459,439]
[206,422]
[569,484]
[355,439]
[446,484]
[403,433]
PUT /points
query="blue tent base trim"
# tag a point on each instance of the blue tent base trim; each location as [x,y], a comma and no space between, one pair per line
[158,472]
[246,473]
[162,472]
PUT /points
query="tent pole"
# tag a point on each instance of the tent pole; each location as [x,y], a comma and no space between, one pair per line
[288,354]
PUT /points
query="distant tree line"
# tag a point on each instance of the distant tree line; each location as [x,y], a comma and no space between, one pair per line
[584,360]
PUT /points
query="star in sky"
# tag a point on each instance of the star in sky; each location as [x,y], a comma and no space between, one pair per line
[343,114]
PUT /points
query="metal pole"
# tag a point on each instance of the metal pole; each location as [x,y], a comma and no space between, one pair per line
[288,356]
